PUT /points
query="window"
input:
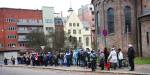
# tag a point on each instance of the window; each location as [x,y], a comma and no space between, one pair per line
[70,24]
[127,12]
[69,31]
[22,44]
[92,12]
[11,36]
[80,31]
[74,24]
[110,20]
[48,21]
[49,29]
[11,28]
[74,31]
[86,28]
[10,20]
[97,21]
[80,39]
[78,24]
[12,45]
[147,36]
[93,19]
[87,41]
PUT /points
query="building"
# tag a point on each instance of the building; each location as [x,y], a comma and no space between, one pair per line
[74,27]
[86,15]
[117,23]
[144,24]
[59,32]
[48,22]
[48,19]
[14,25]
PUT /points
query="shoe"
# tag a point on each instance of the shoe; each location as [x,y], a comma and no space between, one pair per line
[131,70]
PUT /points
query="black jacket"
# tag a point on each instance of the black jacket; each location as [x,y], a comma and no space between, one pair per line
[131,53]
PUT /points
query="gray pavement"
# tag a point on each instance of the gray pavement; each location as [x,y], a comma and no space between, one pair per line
[139,70]
[26,71]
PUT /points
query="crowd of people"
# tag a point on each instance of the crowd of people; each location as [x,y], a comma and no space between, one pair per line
[105,59]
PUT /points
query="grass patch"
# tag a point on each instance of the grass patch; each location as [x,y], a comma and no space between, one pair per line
[142,60]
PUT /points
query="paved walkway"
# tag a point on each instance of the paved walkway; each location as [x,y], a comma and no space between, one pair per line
[139,69]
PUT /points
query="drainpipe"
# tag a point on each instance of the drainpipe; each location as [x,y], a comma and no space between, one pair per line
[138,28]
[141,54]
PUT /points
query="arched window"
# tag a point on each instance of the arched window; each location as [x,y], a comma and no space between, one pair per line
[87,41]
[110,20]
[97,21]
[127,14]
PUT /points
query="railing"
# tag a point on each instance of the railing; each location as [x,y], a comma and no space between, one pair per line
[22,39]
[23,31]
[29,24]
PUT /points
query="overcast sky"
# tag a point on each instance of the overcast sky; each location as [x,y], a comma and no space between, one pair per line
[60,5]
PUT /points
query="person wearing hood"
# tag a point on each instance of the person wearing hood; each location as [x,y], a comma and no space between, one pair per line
[113,58]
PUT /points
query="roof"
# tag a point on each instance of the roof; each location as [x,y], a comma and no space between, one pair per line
[6,8]
[58,21]
[146,12]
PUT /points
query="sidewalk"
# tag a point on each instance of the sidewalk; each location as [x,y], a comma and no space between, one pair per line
[139,69]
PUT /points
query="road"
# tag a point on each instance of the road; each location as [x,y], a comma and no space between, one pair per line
[26,71]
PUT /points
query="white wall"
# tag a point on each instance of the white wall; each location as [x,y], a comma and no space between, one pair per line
[73,18]
[48,17]
[8,55]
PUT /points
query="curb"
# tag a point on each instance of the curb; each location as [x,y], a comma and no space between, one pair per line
[89,71]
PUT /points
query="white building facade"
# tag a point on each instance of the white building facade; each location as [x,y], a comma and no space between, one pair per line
[48,19]
[74,27]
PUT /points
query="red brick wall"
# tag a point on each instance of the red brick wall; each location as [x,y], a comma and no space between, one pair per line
[17,14]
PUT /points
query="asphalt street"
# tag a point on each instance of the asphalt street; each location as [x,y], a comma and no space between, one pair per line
[26,71]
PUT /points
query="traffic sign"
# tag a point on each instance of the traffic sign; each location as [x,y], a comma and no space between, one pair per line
[105,32]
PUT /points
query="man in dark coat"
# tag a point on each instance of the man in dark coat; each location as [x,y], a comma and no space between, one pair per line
[131,56]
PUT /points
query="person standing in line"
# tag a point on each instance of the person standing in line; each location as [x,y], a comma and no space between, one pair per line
[120,57]
[101,62]
[5,61]
[13,60]
[106,54]
[131,56]
[93,59]
[113,58]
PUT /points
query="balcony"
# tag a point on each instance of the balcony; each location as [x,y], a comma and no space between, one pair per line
[22,40]
[23,31]
[29,24]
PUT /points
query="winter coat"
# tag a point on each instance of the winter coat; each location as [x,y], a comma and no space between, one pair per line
[120,55]
[131,53]
[112,56]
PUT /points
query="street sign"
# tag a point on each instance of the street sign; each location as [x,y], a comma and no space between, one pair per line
[105,32]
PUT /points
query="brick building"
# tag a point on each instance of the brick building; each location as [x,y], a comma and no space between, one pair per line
[144,24]
[14,25]
[119,20]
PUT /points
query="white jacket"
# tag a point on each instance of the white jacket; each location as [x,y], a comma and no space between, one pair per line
[113,56]
[120,55]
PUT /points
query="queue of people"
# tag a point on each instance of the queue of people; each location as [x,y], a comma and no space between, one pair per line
[106,59]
